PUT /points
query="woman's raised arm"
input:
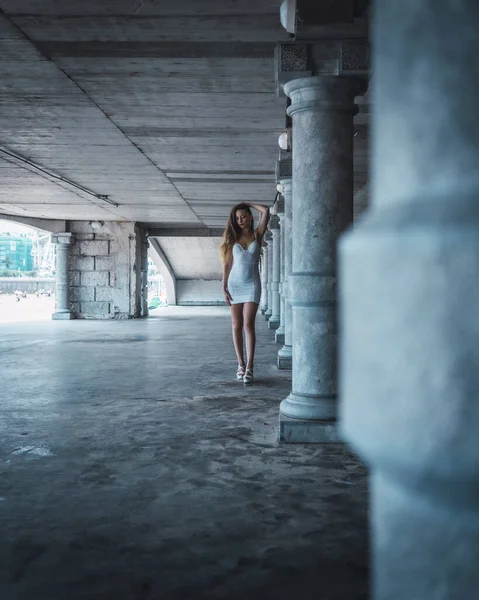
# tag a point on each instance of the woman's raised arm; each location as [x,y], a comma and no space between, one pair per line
[263,223]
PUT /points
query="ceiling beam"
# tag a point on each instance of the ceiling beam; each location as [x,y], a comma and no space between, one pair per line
[185,231]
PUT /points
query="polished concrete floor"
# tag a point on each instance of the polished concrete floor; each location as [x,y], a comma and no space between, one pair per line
[135,467]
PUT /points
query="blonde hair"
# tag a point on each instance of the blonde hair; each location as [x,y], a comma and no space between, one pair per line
[232,231]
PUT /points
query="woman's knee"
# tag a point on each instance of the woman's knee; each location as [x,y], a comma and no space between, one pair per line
[249,326]
[237,324]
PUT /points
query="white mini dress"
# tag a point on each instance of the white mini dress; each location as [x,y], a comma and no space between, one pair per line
[244,281]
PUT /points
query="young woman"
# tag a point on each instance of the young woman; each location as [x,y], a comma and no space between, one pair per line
[241,250]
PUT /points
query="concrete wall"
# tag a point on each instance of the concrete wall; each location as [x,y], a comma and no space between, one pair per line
[195,266]
[193,257]
[29,285]
[199,292]
[108,269]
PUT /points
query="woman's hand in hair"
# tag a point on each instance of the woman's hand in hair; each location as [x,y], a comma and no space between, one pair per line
[259,207]
[263,223]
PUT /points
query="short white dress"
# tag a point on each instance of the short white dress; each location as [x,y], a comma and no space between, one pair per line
[244,281]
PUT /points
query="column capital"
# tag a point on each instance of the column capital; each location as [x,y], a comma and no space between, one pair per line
[284,168]
[268,236]
[292,61]
[273,223]
[63,239]
[324,93]
[280,206]
[333,57]
[286,186]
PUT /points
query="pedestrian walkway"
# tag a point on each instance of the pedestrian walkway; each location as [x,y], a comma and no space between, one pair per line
[133,466]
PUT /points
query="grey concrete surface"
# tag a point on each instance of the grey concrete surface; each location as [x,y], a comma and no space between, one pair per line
[134,466]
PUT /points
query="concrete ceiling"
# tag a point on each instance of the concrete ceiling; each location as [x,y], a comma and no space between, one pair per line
[166,107]
[158,111]
[192,257]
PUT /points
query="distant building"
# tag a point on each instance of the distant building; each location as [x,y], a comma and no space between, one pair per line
[15,253]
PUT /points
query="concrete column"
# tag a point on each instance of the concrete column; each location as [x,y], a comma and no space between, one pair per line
[322,109]
[264,279]
[285,355]
[63,243]
[273,322]
[409,304]
[279,333]
[268,238]
[108,270]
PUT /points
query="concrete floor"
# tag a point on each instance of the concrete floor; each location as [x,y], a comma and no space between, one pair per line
[135,467]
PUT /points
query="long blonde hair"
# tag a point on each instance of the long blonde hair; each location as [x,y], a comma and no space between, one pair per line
[232,231]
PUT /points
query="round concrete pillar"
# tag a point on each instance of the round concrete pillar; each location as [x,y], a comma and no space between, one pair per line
[409,304]
[322,109]
[279,333]
[264,278]
[274,319]
[63,242]
[268,238]
[285,355]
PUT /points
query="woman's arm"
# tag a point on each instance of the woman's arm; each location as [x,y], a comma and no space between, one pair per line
[226,271]
[263,223]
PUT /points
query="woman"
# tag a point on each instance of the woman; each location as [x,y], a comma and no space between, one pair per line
[241,250]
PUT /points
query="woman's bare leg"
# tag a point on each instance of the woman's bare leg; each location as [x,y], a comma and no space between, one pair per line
[250,310]
[237,325]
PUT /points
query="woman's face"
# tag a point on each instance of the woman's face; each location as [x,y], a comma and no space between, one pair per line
[243,219]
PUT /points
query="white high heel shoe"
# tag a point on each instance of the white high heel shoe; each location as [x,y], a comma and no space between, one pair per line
[248,376]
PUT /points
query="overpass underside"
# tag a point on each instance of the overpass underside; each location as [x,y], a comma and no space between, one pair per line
[128,126]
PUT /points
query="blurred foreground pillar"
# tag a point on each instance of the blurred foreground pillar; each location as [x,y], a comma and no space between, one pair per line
[409,377]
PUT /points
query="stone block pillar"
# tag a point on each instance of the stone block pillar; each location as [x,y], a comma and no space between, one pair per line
[322,109]
[409,304]
[285,355]
[279,333]
[268,238]
[108,270]
[274,319]
[63,243]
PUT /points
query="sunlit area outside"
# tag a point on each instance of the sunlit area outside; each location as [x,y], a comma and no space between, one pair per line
[27,273]
[156,289]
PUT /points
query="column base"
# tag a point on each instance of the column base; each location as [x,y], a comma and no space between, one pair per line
[273,323]
[279,335]
[285,358]
[310,407]
[62,316]
[298,431]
